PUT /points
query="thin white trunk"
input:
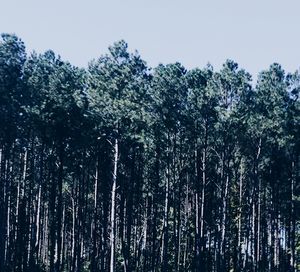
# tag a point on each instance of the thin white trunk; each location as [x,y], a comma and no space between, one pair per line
[292,223]
[258,222]
[259,203]
[38,217]
[224,214]
[113,209]
[277,239]
[8,228]
[73,228]
[93,225]
[203,193]
[96,187]
[240,208]
[63,235]
[253,229]
[166,213]
[186,216]
[45,247]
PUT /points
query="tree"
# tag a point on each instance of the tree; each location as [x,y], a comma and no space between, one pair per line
[117,91]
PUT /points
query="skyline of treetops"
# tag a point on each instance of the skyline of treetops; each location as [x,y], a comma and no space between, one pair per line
[123,167]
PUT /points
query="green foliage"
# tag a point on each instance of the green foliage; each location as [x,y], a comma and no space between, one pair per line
[169,92]
[207,169]
[118,92]
[12,58]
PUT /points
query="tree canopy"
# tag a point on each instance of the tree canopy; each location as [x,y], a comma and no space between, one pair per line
[121,167]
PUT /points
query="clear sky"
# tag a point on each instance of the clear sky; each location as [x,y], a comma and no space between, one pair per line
[254,33]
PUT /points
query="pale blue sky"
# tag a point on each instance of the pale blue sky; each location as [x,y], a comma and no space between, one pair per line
[255,33]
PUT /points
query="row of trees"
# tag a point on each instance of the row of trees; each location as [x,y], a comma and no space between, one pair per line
[118,167]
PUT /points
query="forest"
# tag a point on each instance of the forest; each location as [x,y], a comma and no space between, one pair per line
[124,167]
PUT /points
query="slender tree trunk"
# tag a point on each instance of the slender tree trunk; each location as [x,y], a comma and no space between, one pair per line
[165,225]
[95,220]
[239,244]
[2,209]
[59,209]
[202,206]
[73,256]
[113,208]
[258,181]
[258,243]
[293,221]
[197,211]
[224,221]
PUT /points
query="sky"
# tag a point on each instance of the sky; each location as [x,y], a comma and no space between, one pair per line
[254,33]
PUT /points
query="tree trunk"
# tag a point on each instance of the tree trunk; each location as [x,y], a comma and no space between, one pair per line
[59,209]
[95,220]
[293,221]
[165,226]
[239,244]
[113,208]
